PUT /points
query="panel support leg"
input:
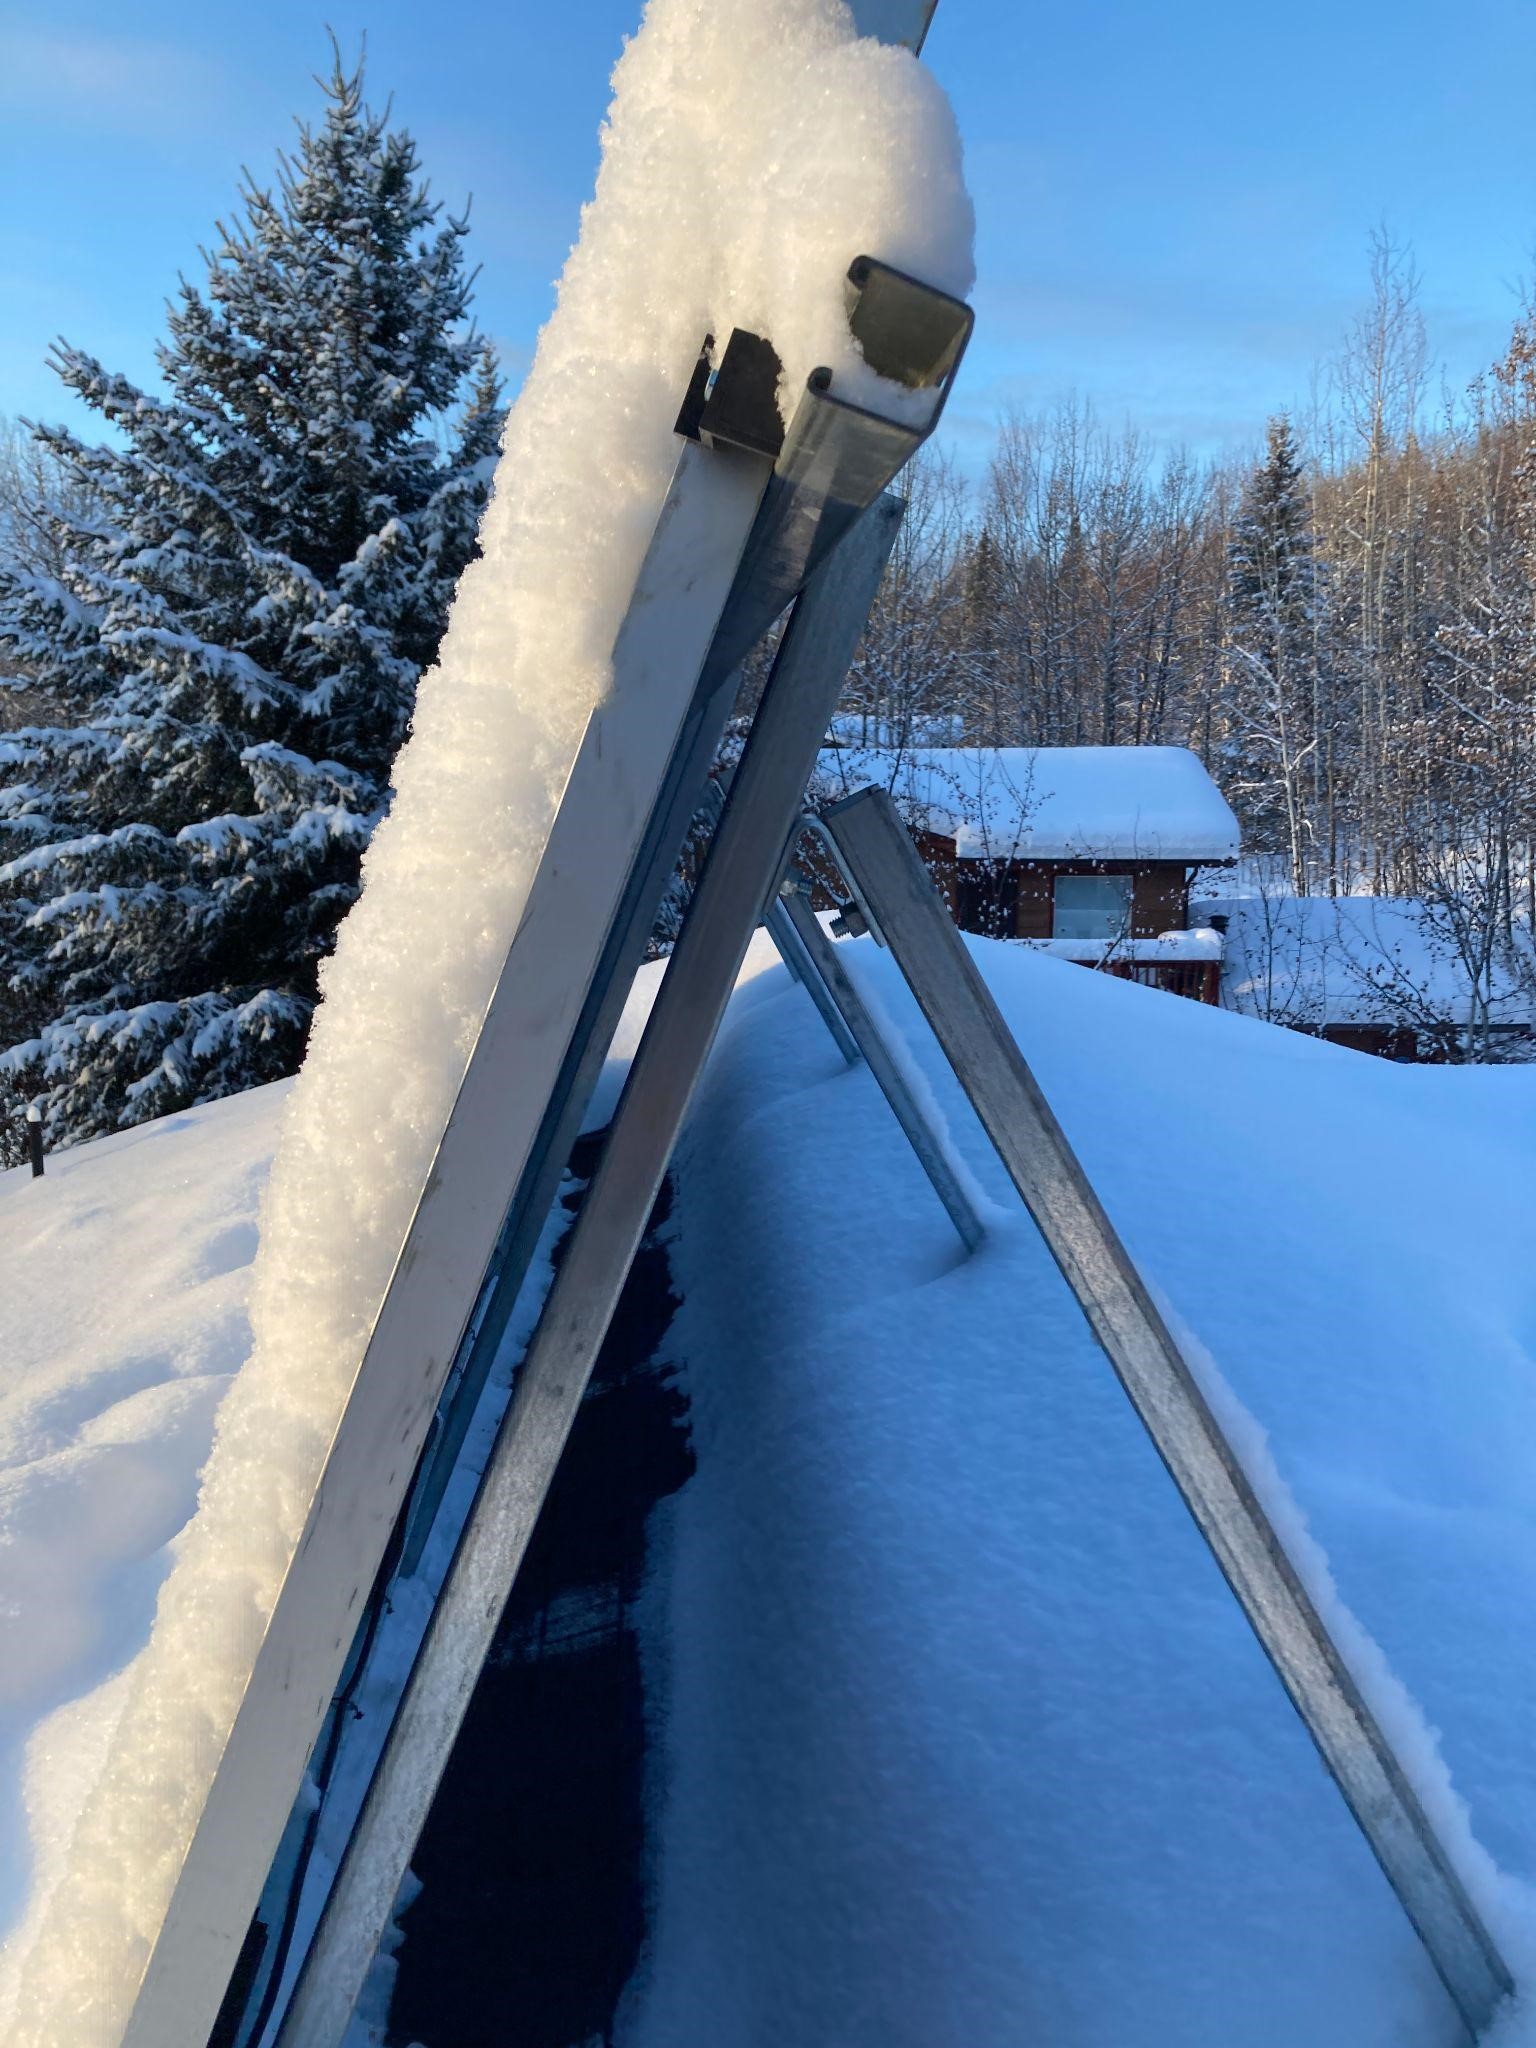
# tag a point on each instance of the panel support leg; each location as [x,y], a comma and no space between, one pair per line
[874,846]
[894,1085]
[791,949]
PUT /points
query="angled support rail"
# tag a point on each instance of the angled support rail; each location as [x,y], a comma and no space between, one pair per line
[874,848]
[490,1142]
[790,949]
[852,1011]
[742,866]
[812,959]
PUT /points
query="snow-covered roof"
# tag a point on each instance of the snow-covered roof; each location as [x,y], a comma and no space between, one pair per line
[1050,803]
[1319,960]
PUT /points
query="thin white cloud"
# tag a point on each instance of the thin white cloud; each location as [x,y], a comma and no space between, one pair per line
[132,83]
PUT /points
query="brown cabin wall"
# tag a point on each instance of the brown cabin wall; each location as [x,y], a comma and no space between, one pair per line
[1035,900]
[1161,900]
[939,857]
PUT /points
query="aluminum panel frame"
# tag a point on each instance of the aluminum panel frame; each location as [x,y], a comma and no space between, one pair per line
[622,762]
[742,866]
[895,21]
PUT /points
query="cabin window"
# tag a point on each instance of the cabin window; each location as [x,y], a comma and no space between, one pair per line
[1092,906]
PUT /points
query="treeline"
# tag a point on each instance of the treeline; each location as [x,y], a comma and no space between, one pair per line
[211,629]
[1345,630]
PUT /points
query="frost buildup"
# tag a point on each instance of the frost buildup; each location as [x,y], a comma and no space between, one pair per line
[231,644]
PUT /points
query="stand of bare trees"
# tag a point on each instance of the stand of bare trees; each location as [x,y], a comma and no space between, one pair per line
[1344,631]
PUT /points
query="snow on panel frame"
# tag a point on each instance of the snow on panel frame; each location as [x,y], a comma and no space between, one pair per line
[685,234]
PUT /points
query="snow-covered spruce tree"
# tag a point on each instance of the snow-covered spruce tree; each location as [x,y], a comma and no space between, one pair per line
[233,636]
[1273,677]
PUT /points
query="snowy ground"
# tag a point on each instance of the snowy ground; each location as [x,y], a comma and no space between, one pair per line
[961,1739]
[123,1276]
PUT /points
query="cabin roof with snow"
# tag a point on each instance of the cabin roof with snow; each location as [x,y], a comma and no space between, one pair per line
[1322,961]
[1050,803]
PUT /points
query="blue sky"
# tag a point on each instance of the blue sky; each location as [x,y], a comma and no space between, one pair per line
[1173,200]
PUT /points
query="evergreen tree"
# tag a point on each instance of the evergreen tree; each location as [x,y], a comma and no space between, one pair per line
[1271,564]
[1273,676]
[234,634]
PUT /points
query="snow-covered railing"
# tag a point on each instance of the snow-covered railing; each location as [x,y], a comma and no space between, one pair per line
[1171,947]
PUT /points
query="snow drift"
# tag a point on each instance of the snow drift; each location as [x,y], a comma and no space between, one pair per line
[124,1275]
[753,147]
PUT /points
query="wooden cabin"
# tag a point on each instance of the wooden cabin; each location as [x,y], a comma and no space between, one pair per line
[1085,852]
